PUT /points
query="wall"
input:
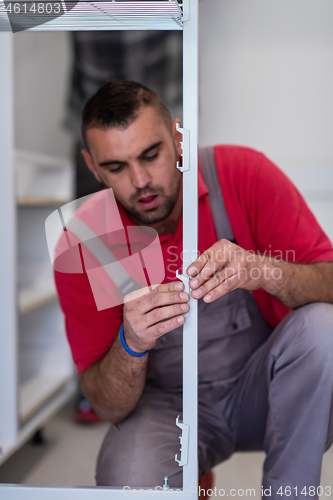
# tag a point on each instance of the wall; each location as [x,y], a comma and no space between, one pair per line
[266,81]
[41,75]
[266,78]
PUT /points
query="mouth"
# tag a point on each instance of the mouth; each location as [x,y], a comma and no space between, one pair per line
[148,202]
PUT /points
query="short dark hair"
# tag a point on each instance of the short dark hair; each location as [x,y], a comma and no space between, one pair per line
[117,104]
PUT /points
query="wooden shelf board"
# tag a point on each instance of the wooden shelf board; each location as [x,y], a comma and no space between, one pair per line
[36,296]
[38,303]
[35,392]
[29,201]
[42,180]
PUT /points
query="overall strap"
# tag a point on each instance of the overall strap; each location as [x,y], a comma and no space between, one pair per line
[103,254]
[217,205]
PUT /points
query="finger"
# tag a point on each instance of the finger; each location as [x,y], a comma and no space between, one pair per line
[177,286]
[137,294]
[164,313]
[208,271]
[165,287]
[164,327]
[228,285]
[160,299]
[216,263]
[196,266]
[207,264]
[213,282]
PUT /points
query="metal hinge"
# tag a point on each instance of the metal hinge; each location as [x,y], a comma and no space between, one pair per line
[185,279]
[183,438]
[185,144]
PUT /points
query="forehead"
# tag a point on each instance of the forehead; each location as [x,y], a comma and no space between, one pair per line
[127,142]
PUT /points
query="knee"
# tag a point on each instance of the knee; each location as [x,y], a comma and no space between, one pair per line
[315,331]
[106,466]
[140,451]
[124,460]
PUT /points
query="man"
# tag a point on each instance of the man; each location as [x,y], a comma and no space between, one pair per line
[265,373]
[100,56]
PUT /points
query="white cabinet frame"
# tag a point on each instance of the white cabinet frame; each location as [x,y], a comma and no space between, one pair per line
[112,15]
[20,415]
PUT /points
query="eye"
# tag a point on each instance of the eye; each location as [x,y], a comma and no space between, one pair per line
[150,157]
[116,169]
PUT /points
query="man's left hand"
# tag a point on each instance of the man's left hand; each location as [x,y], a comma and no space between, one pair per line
[223,268]
[226,266]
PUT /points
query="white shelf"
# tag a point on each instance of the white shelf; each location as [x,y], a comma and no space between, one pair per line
[35,273]
[38,294]
[45,364]
[115,15]
[42,180]
[36,392]
[38,420]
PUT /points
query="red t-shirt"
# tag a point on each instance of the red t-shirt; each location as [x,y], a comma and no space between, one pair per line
[267,215]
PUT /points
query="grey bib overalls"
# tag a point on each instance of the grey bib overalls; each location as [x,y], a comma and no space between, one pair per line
[230,329]
[258,390]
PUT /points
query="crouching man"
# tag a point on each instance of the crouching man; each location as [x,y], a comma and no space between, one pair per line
[264,282]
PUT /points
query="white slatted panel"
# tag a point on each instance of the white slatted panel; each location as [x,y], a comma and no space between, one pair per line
[101,15]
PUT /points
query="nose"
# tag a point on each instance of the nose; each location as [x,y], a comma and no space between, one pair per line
[140,176]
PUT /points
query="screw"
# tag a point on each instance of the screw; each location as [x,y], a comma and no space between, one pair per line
[166,484]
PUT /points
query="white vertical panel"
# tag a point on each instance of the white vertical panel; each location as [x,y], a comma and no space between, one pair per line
[8,350]
[190,240]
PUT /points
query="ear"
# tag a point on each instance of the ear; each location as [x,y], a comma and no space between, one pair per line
[177,136]
[90,163]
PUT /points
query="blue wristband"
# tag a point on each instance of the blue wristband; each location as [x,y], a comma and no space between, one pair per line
[125,346]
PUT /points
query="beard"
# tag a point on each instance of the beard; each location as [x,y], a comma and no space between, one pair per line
[167,201]
[166,205]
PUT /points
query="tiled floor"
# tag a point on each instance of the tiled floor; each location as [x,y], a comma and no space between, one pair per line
[69,454]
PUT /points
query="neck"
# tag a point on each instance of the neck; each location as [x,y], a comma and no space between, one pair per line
[168,226]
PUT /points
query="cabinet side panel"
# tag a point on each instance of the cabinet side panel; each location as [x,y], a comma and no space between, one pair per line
[8,351]
[190,242]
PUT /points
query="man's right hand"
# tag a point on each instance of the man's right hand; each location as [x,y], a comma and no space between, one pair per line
[151,312]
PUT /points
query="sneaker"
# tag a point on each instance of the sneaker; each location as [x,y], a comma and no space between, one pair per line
[84,413]
[206,482]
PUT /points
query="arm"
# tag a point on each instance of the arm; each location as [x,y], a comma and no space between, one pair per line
[298,284]
[226,266]
[267,213]
[114,384]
